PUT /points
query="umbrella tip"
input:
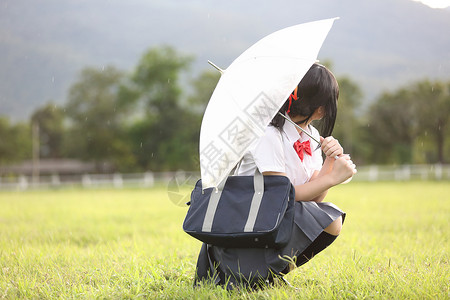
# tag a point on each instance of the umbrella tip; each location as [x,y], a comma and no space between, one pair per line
[218,69]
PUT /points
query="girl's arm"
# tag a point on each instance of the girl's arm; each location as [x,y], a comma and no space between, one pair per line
[326,168]
[332,149]
[317,188]
[311,190]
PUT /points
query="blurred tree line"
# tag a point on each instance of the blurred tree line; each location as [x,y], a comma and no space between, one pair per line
[145,121]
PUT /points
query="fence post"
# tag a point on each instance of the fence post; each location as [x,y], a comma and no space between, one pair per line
[55,180]
[23,182]
[149,179]
[117,180]
[424,173]
[403,173]
[86,180]
[438,171]
[407,172]
[373,173]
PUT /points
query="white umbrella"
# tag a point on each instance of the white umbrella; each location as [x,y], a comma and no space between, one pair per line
[251,91]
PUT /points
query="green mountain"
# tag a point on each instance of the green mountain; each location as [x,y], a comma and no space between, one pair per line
[44,44]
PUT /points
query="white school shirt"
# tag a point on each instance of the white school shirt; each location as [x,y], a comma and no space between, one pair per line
[274,152]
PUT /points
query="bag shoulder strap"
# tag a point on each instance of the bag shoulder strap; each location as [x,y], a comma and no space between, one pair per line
[216,193]
[258,182]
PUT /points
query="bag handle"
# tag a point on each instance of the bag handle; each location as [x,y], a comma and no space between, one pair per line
[258,183]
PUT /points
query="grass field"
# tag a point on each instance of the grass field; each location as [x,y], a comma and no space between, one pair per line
[119,244]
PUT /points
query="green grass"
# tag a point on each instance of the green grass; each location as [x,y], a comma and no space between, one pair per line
[119,244]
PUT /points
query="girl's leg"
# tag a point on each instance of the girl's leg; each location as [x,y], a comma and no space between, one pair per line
[335,227]
[321,242]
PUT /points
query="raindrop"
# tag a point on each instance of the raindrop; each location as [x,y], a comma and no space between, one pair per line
[152,154]
[168,80]
[53,79]
[141,144]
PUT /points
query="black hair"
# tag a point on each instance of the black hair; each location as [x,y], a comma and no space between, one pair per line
[317,88]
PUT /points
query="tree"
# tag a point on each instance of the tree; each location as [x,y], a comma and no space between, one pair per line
[391,128]
[15,141]
[50,120]
[96,119]
[156,79]
[203,86]
[163,139]
[431,101]
[411,124]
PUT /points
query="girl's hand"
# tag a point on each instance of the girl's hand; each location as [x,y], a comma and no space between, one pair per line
[331,147]
[343,169]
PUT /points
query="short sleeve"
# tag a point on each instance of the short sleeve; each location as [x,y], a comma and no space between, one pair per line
[268,152]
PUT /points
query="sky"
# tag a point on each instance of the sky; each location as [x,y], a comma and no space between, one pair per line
[436,3]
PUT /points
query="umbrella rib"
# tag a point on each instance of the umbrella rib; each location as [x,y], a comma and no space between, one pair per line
[215,66]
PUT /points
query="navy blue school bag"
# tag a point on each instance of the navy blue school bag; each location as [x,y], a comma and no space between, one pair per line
[243,212]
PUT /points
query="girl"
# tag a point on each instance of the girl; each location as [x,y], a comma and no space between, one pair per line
[286,150]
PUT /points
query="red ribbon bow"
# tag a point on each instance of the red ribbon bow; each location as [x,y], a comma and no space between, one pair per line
[294,97]
[302,147]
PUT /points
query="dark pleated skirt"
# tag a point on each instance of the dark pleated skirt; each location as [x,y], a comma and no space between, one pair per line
[232,266]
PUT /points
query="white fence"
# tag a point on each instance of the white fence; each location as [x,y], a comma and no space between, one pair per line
[403,173]
[150,179]
[116,180]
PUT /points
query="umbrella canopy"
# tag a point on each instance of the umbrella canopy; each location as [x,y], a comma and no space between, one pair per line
[251,91]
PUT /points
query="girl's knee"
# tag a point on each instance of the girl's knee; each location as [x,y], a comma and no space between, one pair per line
[335,227]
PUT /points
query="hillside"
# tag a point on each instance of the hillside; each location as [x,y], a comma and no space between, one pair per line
[44,44]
